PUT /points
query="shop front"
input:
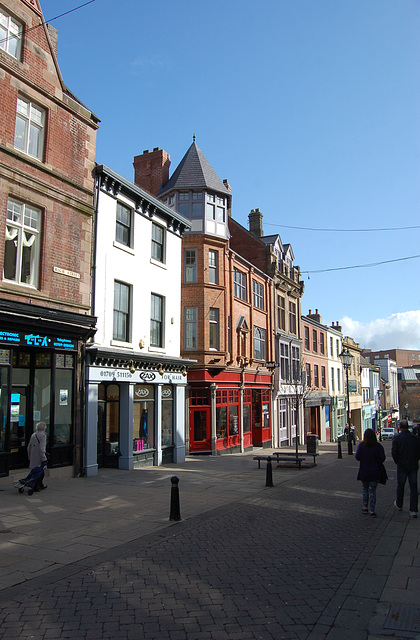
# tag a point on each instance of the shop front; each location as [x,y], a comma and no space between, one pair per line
[135,410]
[232,414]
[39,372]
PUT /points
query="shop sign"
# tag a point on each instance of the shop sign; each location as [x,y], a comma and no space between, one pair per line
[17,338]
[102,374]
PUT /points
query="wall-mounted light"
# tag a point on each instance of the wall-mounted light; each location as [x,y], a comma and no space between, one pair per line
[184,371]
[160,369]
[131,367]
[141,344]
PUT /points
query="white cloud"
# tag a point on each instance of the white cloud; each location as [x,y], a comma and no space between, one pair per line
[398,331]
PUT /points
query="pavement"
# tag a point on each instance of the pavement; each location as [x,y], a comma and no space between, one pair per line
[100,558]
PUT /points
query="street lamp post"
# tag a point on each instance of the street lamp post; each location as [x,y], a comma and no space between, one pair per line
[380,393]
[347,359]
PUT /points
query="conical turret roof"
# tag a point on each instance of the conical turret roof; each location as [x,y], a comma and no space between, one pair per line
[194,172]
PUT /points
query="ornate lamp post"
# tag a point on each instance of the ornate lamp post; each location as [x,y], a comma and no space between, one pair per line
[347,359]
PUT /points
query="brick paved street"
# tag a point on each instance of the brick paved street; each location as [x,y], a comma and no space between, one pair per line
[278,563]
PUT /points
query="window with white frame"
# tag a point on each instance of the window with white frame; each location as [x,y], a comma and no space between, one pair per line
[213,267]
[157,313]
[22,243]
[321,343]
[123,230]
[240,289]
[323,378]
[29,129]
[259,343]
[296,370]
[122,311]
[332,379]
[284,361]
[331,347]
[314,341]
[158,242]
[214,328]
[10,35]
[258,294]
[338,381]
[220,209]
[316,376]
[211,206]
[190,327]
[190,265]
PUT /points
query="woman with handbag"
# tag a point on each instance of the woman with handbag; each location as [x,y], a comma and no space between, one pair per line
[371,456]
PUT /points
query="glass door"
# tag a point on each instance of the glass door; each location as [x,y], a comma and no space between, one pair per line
[21,425]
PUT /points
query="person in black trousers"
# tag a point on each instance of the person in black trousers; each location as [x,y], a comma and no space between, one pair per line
[406,455]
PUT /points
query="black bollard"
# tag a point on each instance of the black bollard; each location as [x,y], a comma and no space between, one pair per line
[269,474]
[175,513]
[340,454]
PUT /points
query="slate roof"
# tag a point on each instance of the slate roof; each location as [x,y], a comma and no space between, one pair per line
[194,172]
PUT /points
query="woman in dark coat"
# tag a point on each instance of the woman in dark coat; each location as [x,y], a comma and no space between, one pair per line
[370,454]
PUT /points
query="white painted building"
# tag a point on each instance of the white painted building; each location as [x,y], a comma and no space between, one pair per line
[336,381]
[135,378]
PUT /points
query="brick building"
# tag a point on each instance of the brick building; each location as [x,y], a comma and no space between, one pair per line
[402,357]
[47,148]
[269,254]
[315,362]
[226,323]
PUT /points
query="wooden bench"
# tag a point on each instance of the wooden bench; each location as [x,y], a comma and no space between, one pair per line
[293,454]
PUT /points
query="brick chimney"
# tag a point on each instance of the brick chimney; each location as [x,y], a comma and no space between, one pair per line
[151,170]
[315,316]
[255,223]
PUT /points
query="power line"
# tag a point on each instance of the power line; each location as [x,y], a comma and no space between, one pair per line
[286,226]
[361,266]
[50,20]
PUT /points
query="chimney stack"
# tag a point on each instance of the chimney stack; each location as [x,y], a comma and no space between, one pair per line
[255,223]
[151,170]
[315,316]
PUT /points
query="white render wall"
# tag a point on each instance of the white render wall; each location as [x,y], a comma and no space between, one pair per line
[134,266]
[334,364]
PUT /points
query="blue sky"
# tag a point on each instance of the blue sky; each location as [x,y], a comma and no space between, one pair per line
[310,108]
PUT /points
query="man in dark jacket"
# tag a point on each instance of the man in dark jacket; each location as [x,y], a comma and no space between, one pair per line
[406,455]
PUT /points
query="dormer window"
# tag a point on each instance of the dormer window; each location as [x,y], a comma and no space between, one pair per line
[10,35]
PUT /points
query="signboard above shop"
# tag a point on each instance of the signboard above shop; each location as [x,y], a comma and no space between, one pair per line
[101,374]
[22,339]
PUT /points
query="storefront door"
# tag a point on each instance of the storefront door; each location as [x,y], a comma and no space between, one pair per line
[21,425]
[200,429]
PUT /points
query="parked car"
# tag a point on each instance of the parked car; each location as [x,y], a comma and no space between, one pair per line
[388,433]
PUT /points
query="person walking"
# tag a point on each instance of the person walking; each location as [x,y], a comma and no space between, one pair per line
[406,455]
[371,455]
[37,451]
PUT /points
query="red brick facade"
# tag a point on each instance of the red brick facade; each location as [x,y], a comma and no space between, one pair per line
[60,182]
[47,158]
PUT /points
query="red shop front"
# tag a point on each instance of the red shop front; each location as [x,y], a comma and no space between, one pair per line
[228,411]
